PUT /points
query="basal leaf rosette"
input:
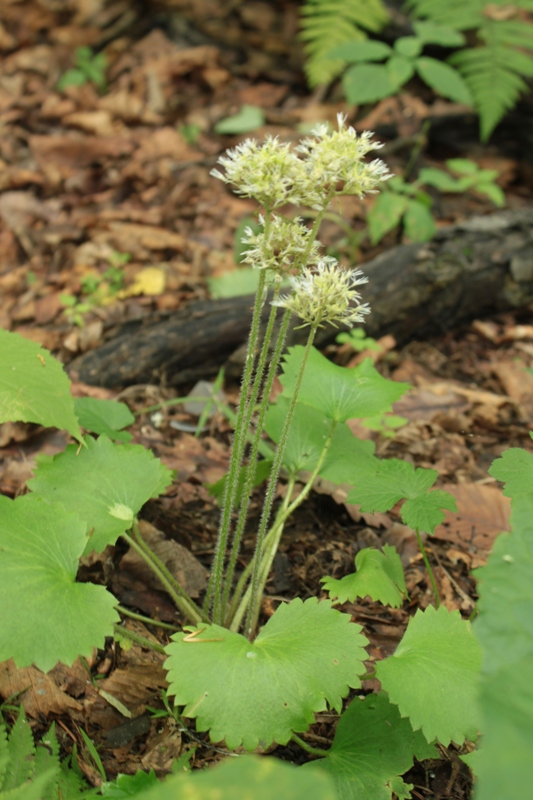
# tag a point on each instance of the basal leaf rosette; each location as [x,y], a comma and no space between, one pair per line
[34,386]
[45,616]
[373,746]
[433,677]
[99,479]
[379,576]
[255,693]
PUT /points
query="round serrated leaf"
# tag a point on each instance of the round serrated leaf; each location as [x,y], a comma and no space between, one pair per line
[344,393]
[373,745]
[379,576]
[253,693]
[104,416]
[96,481]
[45,616]
[433,676]
[515,469]
[347,458]
[33,386]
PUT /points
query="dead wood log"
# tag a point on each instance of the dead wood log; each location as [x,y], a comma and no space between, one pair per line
[473,269]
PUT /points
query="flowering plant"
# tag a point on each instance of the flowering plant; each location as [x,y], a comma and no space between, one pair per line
[250,688]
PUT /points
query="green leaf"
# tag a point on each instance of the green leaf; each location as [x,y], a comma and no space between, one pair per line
[393,481]
[99,478]
[68,783]
[385,215]
[493,192]
[104,416]
[45,616]
[424,512]
[344,393]
[324,25]
[357,51]
[418,221]
[433,676]
[347,456]
[408,46]
[72,77]
[515,469]
[242,281]
[504,766]
[379,576]
[444,79]
[431,176]
[400,70]
[21,754]
[129,785]
[244,778]
[253,693]
[249,118]
[445,35]
[504,628]
[373,746]
[367,83]
[33,790]
[464,166]
[33,386]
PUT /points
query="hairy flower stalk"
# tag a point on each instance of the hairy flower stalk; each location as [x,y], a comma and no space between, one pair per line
[324,166]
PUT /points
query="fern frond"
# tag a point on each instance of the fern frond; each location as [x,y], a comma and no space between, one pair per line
[459,14]
[328,23]
[494,72]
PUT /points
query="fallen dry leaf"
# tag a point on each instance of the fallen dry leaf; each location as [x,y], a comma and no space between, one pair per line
[482,514]
[37,692]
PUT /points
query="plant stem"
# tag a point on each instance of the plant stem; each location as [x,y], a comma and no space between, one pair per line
[236,613]
[214,587]
[186,605]
[268,557]
[148,620]
[273,480]
[314,751]
[428,567]
[248,484]
[138,639]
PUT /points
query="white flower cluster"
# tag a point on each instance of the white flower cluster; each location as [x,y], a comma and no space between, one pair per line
[318,169]
[267,172]
[282,248]
[334,164]
[326,295]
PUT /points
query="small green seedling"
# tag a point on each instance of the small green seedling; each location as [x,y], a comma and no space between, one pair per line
[89,68]
[409,205]
[96,290]
[248,119]
[367,81]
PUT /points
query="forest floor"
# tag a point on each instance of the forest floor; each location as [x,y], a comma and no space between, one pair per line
[109,215]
